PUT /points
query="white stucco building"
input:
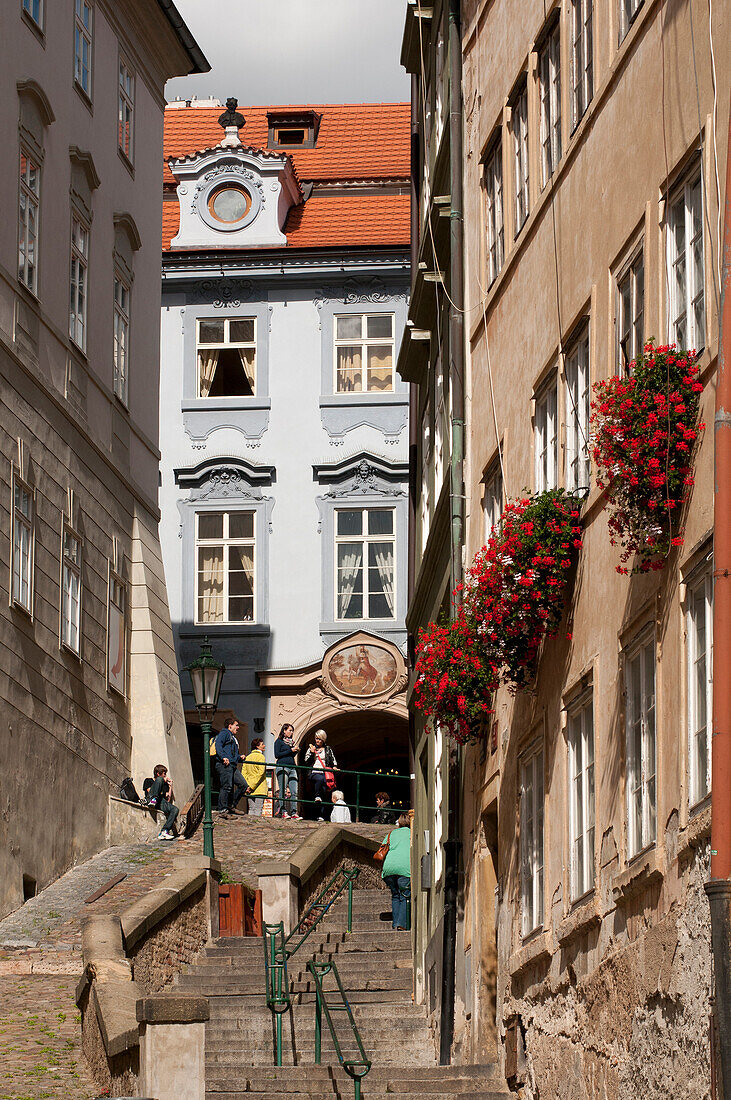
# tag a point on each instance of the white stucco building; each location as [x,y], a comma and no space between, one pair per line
[284,427]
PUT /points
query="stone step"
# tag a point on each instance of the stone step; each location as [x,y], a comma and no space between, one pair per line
[361,981]
[350,962]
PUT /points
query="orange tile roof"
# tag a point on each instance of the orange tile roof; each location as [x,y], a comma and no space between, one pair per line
[331,221]
[355,141]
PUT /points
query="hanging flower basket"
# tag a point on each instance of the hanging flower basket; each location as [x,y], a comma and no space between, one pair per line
[644,429]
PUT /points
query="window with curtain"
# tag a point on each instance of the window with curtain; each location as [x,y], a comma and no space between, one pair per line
[227,357]
[225,581]
[641,752]
[531,843]
[365,552]
[581,795]
[578,407]
[699,642]
[364,353]
[631,312]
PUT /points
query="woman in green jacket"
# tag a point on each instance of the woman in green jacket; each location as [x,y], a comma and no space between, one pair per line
[396,871]
[254,772]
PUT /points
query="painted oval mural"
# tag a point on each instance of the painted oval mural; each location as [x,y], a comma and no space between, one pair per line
[363,670]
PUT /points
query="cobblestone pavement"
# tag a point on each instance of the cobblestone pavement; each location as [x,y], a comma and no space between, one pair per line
[40,1041]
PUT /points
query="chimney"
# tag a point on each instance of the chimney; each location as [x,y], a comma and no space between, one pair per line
[231,121]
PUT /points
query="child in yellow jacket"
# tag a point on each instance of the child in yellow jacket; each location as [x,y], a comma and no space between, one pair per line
[254,772]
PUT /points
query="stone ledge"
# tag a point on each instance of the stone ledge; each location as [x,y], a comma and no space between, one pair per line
[695,833]
[148,911]
[315,849]
[642,873]
[581,919]
[167,1008]
[536,950]
[114,1004]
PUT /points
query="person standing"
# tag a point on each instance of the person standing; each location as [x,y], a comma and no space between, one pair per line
[286,771]
[396,872]
[254,771]
[161,798]
[228,757]
[340,812]
[321,759]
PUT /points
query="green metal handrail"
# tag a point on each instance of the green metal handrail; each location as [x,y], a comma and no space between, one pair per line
[356,1068]
[277,979]
[318,908]
[278,950]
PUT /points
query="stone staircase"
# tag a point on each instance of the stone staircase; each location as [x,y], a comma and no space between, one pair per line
[374,963]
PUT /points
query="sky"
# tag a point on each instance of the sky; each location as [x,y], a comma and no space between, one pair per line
[296,51]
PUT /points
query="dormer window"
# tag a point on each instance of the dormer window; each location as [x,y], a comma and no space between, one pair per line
[293,130]
[229,204]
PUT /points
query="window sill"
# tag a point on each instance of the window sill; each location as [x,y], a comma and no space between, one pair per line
[354,400]
[69,652]
[646,870]
[26,611]
[221,404]
[33,26]
[126,162]
[581,919]
[224,630]
[698,829]
[536,950]
[84,97]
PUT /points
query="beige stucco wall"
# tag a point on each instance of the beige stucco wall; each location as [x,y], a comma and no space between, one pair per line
[630,983]
[66,740]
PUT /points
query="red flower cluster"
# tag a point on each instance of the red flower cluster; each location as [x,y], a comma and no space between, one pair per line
[644,428]
[512,599]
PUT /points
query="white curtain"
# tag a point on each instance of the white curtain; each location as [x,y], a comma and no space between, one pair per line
[350,370]
[247,362]
[384,561]
[350,565]
[207,363]
[210,584]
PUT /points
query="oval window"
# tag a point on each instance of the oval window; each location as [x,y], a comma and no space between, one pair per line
[229,204]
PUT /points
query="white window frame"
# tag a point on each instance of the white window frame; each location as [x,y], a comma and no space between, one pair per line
[126,108]
[27,6]
[631,311]
[577,392]
[582,58]
[122,304]
[29,199]
[439,430]
[494,213]
[699,604]
[425,497]
[683,303]
[628,10]
[532,817]
[641,730]
[365,342]
[582,807]
[365,539]
[545,436]
[79,281]
[83,43]
[22,546]
[521,168]
[549,75]
[227,342]
[71,590]
[492,499]
[225,542]
[117,596]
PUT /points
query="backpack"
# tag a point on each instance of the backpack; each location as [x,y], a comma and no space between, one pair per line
[128,791]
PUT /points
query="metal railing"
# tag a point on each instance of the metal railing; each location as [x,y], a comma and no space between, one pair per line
[355,1067]
[278,949]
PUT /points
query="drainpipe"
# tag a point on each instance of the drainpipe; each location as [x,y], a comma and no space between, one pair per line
[452,847]
[413,408]
[718,888]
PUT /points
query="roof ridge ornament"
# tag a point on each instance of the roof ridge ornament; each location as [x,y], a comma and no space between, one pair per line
[231,120]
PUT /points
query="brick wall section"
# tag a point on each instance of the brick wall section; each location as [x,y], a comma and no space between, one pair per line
[118,1074]
[346,856]
[171,945]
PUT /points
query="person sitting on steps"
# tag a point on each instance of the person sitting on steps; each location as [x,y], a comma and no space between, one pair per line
[161,798]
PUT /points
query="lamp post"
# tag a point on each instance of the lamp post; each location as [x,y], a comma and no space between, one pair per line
[206,675]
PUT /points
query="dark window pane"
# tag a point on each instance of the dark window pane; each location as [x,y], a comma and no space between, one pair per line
[350,523]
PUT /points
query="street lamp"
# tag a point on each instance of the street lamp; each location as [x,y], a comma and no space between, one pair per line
[205,676]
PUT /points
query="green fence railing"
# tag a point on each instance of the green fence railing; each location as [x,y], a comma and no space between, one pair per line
[356,1066]
[351,783]
[278,949]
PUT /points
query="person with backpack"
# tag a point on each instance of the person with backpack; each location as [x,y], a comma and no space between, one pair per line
[228,758]
[161,798]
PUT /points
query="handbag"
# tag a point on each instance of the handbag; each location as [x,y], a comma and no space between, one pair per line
[380,855]
[329,779]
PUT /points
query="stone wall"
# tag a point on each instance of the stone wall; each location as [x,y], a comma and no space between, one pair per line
[345,857]
[635,1027]
[172,944]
